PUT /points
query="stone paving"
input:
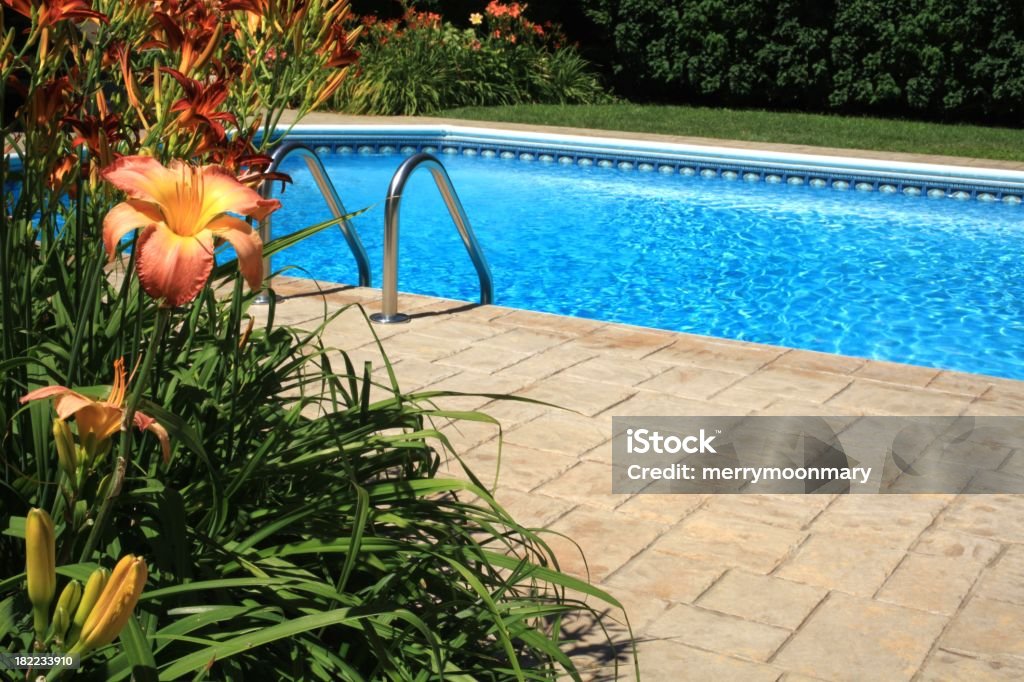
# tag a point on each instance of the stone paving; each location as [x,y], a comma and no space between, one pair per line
[729,587]
[753,587]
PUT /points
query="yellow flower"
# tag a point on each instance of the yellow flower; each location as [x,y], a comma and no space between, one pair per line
[476,18]
[115,605]
[180,209]
[40,567]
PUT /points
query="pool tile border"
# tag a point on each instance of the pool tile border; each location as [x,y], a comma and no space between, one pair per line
[663,163]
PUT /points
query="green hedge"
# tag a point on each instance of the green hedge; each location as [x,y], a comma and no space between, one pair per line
[937,59]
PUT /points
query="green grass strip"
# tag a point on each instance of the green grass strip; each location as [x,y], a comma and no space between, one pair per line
[874,134]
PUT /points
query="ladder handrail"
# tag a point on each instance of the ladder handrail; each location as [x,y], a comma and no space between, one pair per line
[392,208]
[330,195]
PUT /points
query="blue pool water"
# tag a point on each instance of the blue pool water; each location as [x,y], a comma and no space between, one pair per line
[908,279]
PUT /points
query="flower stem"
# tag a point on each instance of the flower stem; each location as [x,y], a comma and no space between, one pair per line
[163,316]
[40,622]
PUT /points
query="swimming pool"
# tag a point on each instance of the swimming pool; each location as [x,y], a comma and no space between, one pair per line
[858,258]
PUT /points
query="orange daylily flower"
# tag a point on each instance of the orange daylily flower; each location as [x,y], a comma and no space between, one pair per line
[238,156]
[180,210]
[192,27]
[340,46]
[99,420]
[47,103]
[60,173]
[100,135]
[201,104]
[52,11]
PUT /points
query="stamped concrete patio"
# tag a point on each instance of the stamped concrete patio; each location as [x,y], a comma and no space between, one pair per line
[727,587]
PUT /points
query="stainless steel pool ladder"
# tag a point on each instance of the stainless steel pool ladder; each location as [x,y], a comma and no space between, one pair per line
[389,309]
[330,195]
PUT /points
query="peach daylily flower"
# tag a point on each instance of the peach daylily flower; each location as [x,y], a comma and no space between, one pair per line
[180,210]
[99,420]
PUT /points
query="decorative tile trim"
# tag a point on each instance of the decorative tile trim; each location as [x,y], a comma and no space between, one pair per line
[667,164]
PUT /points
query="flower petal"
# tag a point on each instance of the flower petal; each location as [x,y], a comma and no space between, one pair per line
[125,217]
[146,423]
[222,192]
[99,419]
[143,177]
[45,392]
[173,267]
[247,245]
[67,403]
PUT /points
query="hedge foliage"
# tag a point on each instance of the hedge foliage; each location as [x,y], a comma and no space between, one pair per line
[938,59]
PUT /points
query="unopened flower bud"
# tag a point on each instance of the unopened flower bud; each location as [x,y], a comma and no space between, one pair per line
[66,605]
[115,605]
[60,622]
[65,447]
[40,567]
[90,595]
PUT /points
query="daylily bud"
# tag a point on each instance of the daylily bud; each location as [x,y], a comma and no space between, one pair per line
[78,514]
[65,447]
[61,619]
[90,595]
[115,605]
[40,566]
[66,605]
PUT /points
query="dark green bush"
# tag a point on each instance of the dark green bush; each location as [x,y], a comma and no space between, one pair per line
[936,59]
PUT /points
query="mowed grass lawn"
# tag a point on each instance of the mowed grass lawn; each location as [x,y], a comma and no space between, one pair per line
[980,142]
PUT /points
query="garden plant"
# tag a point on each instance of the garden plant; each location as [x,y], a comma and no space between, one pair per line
[185,493]
[420,63]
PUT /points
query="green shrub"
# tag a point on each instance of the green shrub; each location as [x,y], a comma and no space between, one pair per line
[296,528]
[567,79]
[940,59]
[419,65]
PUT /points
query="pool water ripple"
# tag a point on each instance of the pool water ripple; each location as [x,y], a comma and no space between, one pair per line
[869,274]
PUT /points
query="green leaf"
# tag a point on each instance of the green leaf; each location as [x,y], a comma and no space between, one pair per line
[284,242]
[140,655]
[8,619]
[198,659]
